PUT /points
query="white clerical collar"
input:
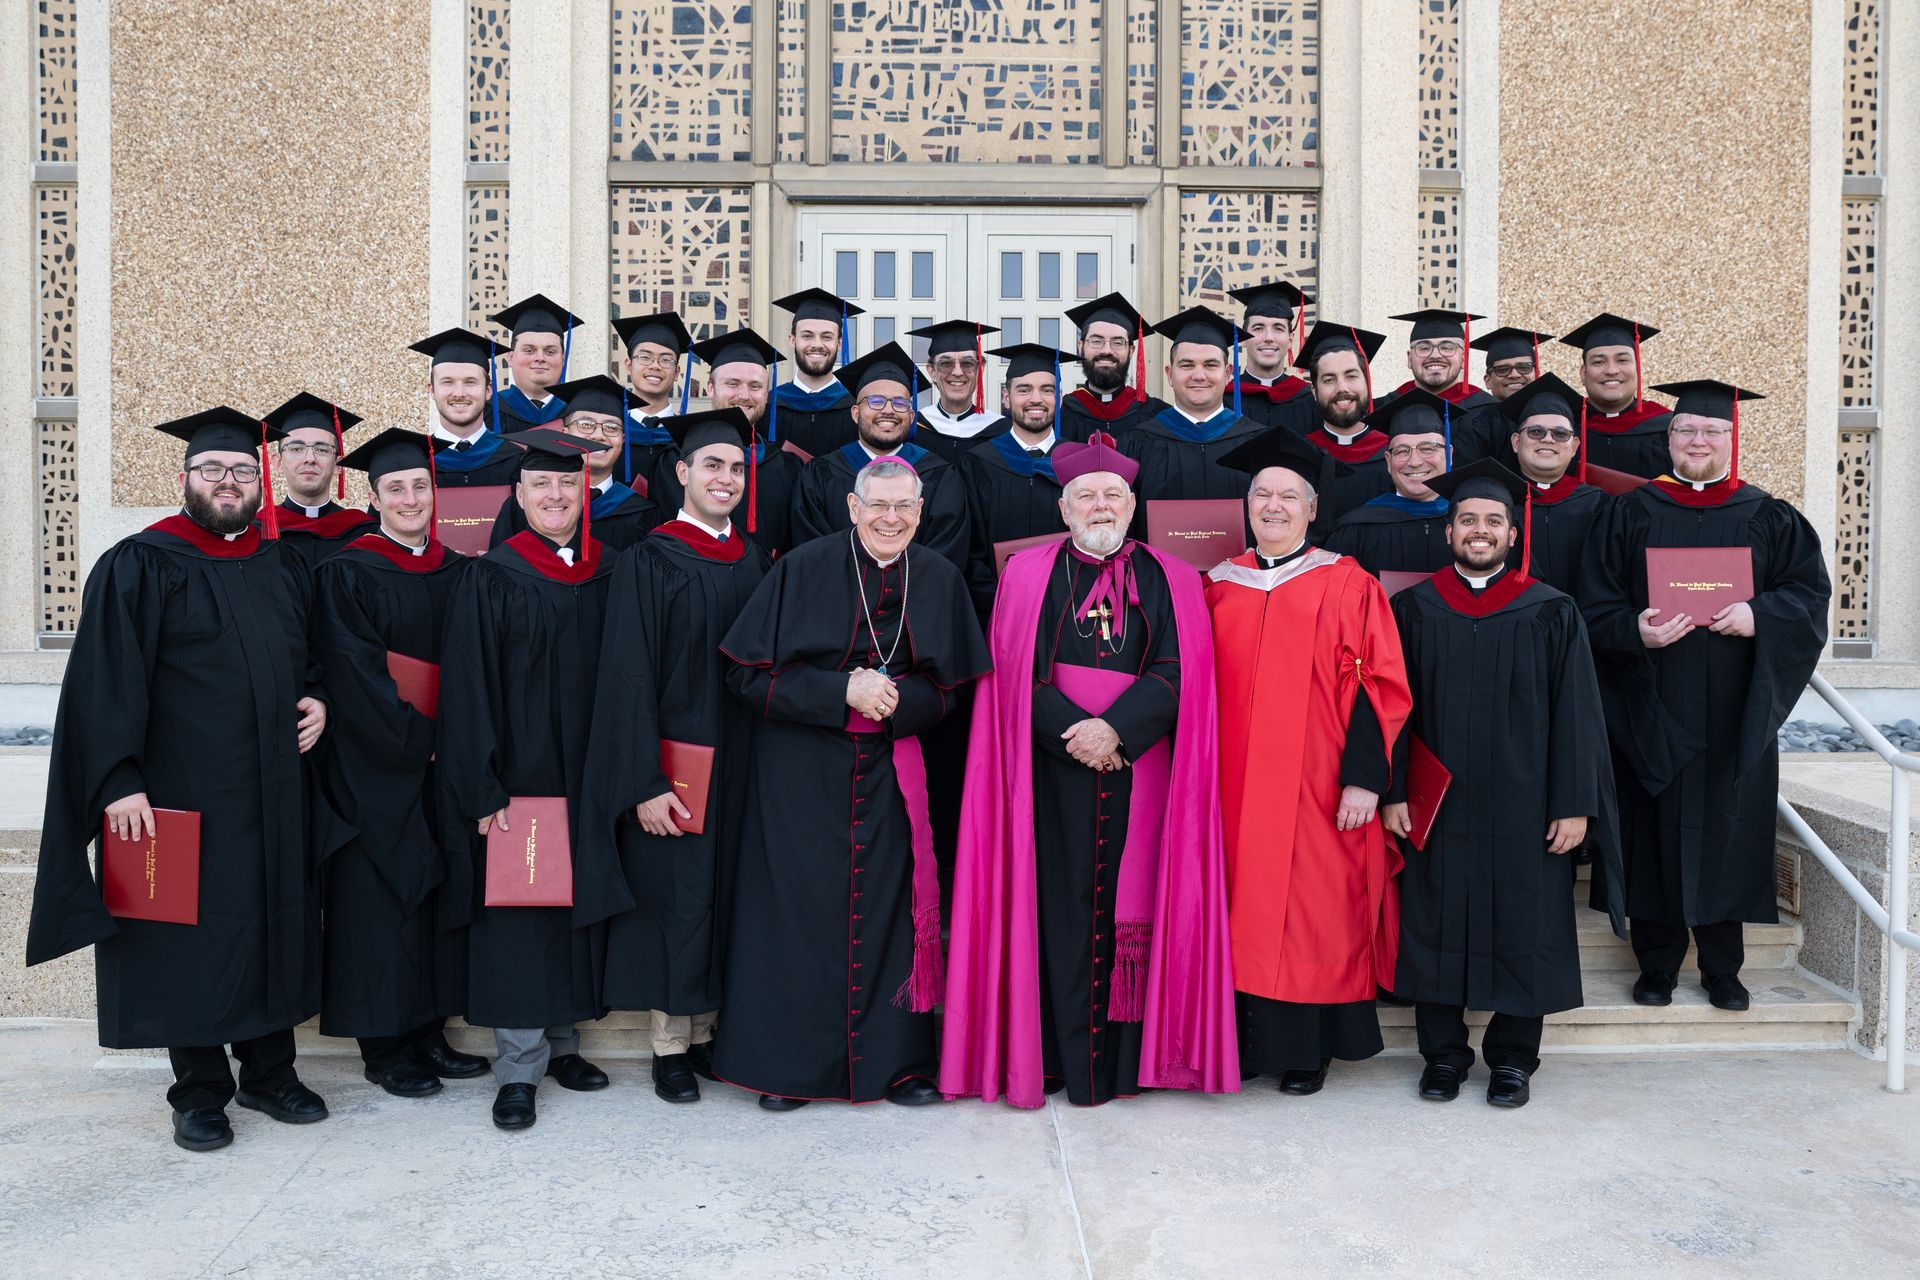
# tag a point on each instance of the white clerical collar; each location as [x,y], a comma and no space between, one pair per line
[1701,486]
[441,433]
[871,455]
[884,564]
[1095,554]
[967,425]
[399,541]
[1266,561]
[1478,582]
[565,554]
[313,513]
[229,537]
[1198,422]
[1345,439]
[1045,444]
[1546,484]
[604,485]
[1616,413]
[725,530]
[1256,378]
[801,381]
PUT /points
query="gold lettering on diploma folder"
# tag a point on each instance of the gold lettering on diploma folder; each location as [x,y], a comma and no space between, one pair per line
[533,837]
[153,867]
[1194,535]
[1703,586]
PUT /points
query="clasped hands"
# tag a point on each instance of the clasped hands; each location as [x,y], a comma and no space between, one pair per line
[1735,619]
[1095,744]
[871,694]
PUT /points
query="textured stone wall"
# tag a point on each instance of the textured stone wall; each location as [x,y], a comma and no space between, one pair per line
[269,215]
[1653,163]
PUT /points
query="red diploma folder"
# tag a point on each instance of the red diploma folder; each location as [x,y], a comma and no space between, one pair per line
[463,518]
[1427,782]
[1397,580]
[689,767]
[417,682]
[1698,581]
[1005,551]
[530,864]
[641,487]
[1201,531]
[157,877]
[1612,482]
[796,451]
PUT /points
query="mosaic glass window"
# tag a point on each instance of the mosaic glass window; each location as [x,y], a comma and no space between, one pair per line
[1860,220]
[1249,85]
[487,96]
[1853,539]
[1143,80]
[682,81]
[486,254]
[1017,81]
[1440,84]
[54,223]
[1233,238]
[684,249]
[54,55]
[790,89]
[1439,249]
[1862,154]
[59,461]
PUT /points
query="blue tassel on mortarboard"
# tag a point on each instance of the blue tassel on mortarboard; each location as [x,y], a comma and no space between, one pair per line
[686,384]
[566,351]
[1446,427]
[493,398]
[1056,388]
[846,343]
[626,441]
[773,403]
[1236,375]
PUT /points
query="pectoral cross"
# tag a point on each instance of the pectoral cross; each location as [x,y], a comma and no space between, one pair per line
[1105,614]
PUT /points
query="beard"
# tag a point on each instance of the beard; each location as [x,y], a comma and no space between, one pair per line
[201,510]
[1477,561]
[463,417]
[1343,413]
[1100,540]
[1699,472]
[1105,379]
[815,366]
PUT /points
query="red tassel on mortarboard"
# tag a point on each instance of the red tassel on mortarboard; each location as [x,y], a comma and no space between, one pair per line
[753,486]
[270,522]
[1733,464]
[979,377]
[1140,358]
[433,500]
[1466,348]
[1583,439]
[1299,324]
[1526,532]
[339,452]
[1636,368]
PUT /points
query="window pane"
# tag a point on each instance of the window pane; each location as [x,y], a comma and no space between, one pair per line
[846,273]
[850,337]
[1050,332]
[917,347]
[1011,285]
[883,274]
[882,325]
[1010,331]
[1049,275]
[923,276]
[1086,275]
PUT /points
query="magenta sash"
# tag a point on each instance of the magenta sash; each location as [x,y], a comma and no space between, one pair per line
[921,991]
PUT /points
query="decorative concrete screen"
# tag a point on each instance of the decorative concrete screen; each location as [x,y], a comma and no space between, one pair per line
[682,81]
[488,143]
[1235,238]
[1249,83]
[682,249]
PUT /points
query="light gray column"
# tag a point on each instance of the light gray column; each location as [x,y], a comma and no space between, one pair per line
[589,237]
[1826,110]
[1896,506]
[541,175]
[1480,158]
[19,343]
[447,154]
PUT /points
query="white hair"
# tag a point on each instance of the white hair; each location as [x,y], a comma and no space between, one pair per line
[883,468]
[1254,483]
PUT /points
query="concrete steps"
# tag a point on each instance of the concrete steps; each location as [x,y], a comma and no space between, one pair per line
[1769,946]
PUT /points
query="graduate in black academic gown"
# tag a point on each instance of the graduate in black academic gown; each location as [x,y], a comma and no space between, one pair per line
[1512,360]
[190,686]
[672,599]
[309,449]
[1693,704]
[655,345]
[820,500]
[1625,431]
[1543,435]
[1012,492]
[468,451]
[1437,359]
[1113,344]
[621,516]
[1270,393]
[950,423]
[392,975]
[515,712]
[1335,358]
[1504,696]
[855,644]
[537,358]
[742,370]
[816,411]
[1403,531]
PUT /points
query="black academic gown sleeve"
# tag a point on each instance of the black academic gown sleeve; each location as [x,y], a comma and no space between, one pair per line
[1789,624]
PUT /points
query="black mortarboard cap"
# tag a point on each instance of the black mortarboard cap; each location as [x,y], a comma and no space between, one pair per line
[1484,478]
[1706,397]
[818,304]
[1608,330]
[888,363]
[225,429]
[1275,298]
[1545,395]
[1112,308]
[1331,336]
[693,431]
[395,449]
[595,393]
[308,410]
[458,346]
[1024,358]
[1508,343]
[1412,413]
[549,450]
[1281,447]
[662,328]
[1199,324]
[537,314]
[742,346]
[951,336]
[1437,322]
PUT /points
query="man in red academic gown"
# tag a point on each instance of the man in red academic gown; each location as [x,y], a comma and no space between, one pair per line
[1312,693]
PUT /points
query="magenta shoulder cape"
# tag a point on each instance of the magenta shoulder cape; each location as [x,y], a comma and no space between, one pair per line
[991,1039]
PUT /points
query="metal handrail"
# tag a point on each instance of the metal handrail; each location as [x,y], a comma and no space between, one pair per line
[1894,921]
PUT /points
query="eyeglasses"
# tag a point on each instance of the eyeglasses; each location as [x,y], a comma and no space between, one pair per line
[1401,452]
[1106,344]
[956,364]
[598,430]
[881,402]
[298,449]
[214,473]
[654,361]
[1445,347]
[1511,369]
[1559,435]
[906,508]
[1699,433]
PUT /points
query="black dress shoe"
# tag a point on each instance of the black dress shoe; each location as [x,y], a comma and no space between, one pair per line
[1508,1088]
[571,1071]
[405,1079]
[1302,1083]
[201,1129]
[447,1062]
[295,1104]
[700,1060]
[673,1079]
[774,1102]
[1726,991]
[1054,1085]
[1440,1082]
[513,1107]
[914,1091]
[1653,988]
